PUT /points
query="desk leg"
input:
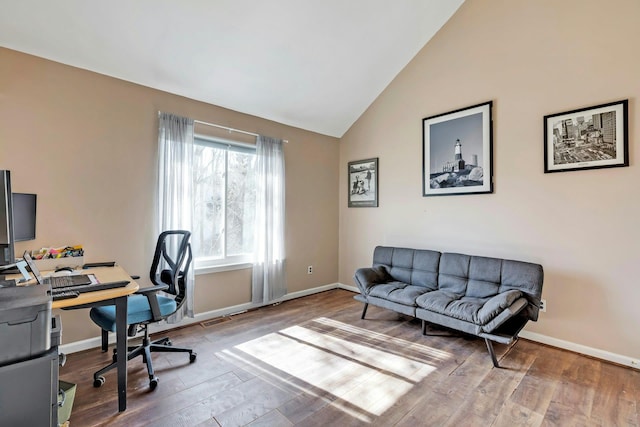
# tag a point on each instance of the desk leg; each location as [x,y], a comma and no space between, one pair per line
[121,345]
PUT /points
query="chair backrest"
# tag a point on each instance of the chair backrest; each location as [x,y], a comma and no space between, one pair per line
[171,262]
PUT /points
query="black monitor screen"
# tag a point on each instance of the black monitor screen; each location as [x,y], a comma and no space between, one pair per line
[24,216]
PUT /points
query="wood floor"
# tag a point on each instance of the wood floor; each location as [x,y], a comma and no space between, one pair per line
[314,362]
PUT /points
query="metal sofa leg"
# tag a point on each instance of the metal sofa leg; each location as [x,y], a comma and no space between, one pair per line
[491,352]
[364,310]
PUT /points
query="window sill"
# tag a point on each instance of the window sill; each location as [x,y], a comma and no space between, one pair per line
[221,268]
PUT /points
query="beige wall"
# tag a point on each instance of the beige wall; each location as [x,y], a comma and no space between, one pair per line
[531,58]
[73,136]
[86,144]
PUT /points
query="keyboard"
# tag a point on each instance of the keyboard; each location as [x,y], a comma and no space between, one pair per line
[92,287]
[57,282]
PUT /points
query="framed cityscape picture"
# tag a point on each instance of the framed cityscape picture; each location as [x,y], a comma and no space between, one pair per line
[588,138]
[457,152]
[363,183]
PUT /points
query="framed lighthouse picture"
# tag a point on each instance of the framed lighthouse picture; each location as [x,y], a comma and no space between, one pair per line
[457,152]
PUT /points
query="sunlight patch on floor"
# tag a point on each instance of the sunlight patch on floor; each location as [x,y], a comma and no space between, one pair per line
[425,350]
[364,355]
[363,378]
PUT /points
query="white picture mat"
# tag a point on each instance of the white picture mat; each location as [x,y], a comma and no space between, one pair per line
[485,110]
[551,121]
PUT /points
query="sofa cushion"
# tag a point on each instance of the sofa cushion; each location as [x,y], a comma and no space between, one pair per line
[425,269]
[399,292]
[454,273]
[415,267]
[520,275]
[479,311]
[484,277]
[526,277]
[382,255]
[401,264]
[451,304]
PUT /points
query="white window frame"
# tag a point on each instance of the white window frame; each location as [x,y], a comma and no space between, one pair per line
[204,265]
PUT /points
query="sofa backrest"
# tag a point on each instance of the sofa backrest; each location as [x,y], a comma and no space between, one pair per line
[483,277]
[463,275]
[413,266]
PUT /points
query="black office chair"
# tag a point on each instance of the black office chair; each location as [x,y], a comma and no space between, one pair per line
[169,269]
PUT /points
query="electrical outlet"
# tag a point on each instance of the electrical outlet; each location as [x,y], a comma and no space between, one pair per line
[310,269]
[543,305]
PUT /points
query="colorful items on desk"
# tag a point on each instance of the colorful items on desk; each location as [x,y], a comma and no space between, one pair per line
[54,253]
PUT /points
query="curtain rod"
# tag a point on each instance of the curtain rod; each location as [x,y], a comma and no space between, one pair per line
[227,128]
[231,129]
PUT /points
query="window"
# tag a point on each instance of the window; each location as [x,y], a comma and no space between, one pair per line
[225,202]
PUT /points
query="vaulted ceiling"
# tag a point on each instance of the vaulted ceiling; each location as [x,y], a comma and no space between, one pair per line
[313,64]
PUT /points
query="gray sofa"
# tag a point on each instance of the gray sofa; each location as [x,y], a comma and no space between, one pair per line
[488,297]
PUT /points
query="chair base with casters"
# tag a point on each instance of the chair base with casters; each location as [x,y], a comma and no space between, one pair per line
[138,309]
[163,345]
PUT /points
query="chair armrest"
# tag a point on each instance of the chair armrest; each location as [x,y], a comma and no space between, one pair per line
[154,288]
[151,293]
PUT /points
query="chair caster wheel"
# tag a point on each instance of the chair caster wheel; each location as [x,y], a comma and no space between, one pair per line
[168,342]
[192,357]
[153,383]
[98,382]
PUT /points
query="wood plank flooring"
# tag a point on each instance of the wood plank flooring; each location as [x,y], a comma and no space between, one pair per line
[313,362]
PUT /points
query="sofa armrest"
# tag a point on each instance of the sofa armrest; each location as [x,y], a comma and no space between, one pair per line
[499,309]
[368,277]
[496,305]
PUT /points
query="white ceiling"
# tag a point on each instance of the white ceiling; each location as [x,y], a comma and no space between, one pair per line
[313,64]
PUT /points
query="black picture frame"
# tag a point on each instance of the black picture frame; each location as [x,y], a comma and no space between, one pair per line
[362,181]
[457,152]
[587,138]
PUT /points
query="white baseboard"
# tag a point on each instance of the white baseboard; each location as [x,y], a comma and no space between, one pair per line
[348,288]
[201,317]
[87,344]
[582,349]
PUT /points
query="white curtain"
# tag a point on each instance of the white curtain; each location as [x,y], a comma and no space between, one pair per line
[269,267]
[175,187]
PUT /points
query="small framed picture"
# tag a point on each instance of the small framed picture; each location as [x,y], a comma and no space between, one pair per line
[588,138]
[457,152]
[363,183]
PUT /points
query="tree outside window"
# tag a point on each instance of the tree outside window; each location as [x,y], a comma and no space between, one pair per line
[225,202]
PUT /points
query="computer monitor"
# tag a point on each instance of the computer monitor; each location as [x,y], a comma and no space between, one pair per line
[24,216]
[6,220]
